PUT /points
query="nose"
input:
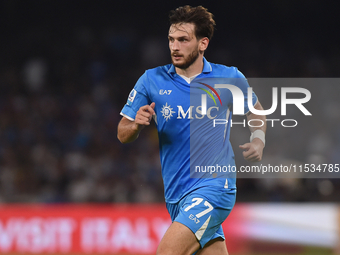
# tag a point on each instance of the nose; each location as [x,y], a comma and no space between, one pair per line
[174,45]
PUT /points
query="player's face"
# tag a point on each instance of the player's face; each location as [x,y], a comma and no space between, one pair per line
[183,44]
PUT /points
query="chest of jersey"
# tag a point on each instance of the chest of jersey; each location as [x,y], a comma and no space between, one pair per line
[177,102]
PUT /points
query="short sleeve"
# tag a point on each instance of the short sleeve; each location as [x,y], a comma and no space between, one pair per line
[138,97]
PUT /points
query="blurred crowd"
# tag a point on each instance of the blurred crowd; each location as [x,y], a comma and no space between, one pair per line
[61,93]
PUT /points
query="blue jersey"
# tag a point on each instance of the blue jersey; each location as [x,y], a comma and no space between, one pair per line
[193,123]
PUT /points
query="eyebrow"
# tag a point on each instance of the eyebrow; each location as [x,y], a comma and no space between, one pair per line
[180,37]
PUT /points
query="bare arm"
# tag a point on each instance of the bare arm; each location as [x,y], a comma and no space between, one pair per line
[128,130]
[253,150]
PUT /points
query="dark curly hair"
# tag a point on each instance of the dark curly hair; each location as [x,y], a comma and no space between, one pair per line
[199,16]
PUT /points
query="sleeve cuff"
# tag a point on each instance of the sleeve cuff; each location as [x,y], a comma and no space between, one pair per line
[126,116]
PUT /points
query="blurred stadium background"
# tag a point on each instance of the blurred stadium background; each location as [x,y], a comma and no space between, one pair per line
[66,183]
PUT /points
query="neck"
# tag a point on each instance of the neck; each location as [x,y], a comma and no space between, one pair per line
[194,68]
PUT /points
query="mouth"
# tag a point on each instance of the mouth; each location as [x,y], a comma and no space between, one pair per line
[176,56]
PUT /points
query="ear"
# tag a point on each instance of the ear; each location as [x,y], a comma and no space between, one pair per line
[203,44]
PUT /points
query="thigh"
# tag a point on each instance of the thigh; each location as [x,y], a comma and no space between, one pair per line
[178,240]
[216,246]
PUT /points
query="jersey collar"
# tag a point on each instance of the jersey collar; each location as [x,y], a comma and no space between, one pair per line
[206,67]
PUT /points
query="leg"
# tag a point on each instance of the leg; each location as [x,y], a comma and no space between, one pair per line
[216,246]
[178,240]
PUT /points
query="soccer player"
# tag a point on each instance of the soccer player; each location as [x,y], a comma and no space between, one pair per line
[188,136]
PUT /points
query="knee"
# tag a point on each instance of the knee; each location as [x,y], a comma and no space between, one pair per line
[168,250]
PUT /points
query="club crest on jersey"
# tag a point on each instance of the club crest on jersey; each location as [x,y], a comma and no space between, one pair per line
[165,91]
[132,96]
[167,111]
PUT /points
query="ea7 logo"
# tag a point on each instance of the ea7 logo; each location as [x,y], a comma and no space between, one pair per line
[165,91]
[192,217]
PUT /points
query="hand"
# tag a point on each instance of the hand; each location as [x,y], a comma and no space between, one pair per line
[144,115]
[253,151]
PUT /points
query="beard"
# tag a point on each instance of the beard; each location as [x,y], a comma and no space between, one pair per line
[188,61]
